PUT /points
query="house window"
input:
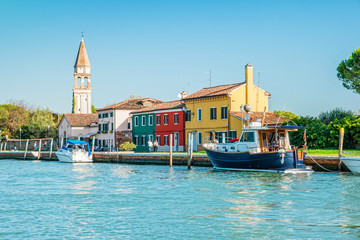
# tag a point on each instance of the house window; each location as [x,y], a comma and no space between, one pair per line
[176,118]
[158,139]
[213,113]
[105,115]
[112,126]
[151,120]
[136,140]
[79,82]
[143,140]
[224,112]
[158,119]
[166,140]
[151,137]
[143,120]
[166,119]
[232,134]
[106,127]
[136,121]
[99,115]
[199,138]
[99,127]
[187,115]
[129,125]
[199,115]
[111,114]
[86,81]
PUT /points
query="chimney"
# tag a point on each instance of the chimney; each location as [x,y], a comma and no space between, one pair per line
[248,80]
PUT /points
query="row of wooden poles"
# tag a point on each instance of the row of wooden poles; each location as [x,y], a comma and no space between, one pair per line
[4,145]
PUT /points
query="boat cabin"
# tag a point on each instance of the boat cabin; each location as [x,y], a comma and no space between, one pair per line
[258,140]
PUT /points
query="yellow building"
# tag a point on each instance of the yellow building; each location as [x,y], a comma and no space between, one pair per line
[208,110]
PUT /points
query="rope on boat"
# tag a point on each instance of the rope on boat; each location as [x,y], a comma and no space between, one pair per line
[319,164]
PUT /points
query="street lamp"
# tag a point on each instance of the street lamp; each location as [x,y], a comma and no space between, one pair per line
[20,138]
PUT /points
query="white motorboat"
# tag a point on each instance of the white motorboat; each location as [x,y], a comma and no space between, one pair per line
[75,152]
[352,161]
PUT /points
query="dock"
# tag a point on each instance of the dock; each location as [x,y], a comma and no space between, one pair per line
[178,159]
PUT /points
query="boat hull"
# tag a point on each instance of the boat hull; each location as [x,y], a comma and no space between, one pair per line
[352,163]
[246,161]
[69,157]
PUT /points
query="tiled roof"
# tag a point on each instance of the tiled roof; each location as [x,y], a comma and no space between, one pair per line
[214,91]
[270,118]
[136,103]
[80,120]
[162,106]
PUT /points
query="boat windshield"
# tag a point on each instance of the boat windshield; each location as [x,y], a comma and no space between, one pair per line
[247,137]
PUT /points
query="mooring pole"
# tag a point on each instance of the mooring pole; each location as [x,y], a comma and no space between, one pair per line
[26,148]
[39,152]
[171,145]
[92,147]
[1,145]
[189,151]
[51,147]
[341,141]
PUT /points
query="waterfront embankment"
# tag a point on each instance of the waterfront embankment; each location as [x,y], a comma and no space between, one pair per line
[179,159]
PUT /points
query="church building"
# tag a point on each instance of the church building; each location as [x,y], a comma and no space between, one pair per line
[82,81]
[81,123]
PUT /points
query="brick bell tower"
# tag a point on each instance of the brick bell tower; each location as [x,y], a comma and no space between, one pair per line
[82,81]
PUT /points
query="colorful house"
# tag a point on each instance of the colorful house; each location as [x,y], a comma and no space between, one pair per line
[208,110]
[114,124]
[159,122]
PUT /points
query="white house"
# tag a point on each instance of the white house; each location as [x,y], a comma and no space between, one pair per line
[74,126]
[114,122]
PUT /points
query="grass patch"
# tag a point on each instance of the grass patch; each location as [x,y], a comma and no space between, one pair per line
[329,152]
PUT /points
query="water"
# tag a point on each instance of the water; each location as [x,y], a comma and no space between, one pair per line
[52,200]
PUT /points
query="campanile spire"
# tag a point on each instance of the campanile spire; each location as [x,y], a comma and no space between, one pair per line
[82,81]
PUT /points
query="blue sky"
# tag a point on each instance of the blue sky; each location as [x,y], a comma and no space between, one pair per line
[142,47]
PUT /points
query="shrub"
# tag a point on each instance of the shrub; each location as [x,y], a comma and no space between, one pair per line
[127,146]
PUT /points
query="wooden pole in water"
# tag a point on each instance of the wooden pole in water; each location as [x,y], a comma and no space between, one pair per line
[39,152]
[26,148]
[189,151]
[51,147]
[1,145]
[92,146]
[171,143]
[341,141]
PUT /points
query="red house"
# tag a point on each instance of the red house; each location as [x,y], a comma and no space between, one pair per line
[169,119]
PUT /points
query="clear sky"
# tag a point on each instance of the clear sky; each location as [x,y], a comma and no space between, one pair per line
[142,47]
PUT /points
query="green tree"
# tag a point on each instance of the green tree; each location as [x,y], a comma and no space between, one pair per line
[288,115]
[12,117]
[349,72]
[337,113]
[41,124]
[93,109]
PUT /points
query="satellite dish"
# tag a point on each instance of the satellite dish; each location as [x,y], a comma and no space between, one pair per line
[247,107]
[182,95]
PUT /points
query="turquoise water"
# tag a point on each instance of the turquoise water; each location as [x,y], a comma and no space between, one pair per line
[52,200]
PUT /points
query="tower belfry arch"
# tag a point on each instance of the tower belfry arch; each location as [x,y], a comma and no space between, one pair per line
[82,81]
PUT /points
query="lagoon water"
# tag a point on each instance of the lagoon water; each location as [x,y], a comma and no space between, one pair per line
[52,200]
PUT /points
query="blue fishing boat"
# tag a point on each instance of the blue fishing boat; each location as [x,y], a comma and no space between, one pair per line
[259,149]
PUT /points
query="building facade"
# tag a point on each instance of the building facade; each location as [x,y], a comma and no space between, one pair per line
[208,110]
[82,82]
[159,122]
[77,126]
[114,124]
